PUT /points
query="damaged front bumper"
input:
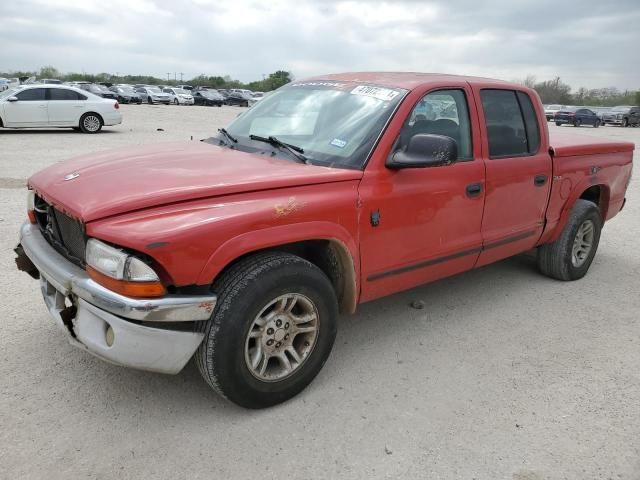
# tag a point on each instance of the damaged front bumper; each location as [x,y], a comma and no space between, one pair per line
[106,324]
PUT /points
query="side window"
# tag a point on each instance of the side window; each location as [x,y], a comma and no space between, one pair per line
[530,123]
[31,95]
[64,94]
[505,124]
[443,112]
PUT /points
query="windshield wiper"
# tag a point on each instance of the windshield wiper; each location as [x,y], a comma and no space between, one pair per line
[228,135]
[292,149]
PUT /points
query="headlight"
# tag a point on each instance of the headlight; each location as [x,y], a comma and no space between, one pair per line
[121,272]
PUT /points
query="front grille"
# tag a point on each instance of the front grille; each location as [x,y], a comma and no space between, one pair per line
[64,233]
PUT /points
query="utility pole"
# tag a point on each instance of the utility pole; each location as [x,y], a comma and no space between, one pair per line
[168,75]
[181,76]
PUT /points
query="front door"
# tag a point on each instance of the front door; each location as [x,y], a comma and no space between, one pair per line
[30,110]
[421,224]
[518,174]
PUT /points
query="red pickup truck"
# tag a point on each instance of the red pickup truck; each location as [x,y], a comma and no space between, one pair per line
[241,250]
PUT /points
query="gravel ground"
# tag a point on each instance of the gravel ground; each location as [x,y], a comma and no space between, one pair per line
[505,374]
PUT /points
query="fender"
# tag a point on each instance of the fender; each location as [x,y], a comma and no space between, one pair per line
[578,190]
[297,232]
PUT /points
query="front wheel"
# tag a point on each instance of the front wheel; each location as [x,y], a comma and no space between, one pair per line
[570,256]
[596,124]
[577,123]
[558,124]
[149,101]
[625,122]
[271,332]
[176,102]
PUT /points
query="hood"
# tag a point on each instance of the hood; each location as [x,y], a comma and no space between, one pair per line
[115,182]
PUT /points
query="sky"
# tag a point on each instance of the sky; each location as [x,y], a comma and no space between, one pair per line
[588,43]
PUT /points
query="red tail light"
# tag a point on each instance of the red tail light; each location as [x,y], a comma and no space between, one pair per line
[116,105]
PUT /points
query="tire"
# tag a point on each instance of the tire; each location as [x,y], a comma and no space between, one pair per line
[556,259]
[577,123]
[149,101]
[176,102]
[246,292]
[558,124]
[625,123]
[596,124]
[91,123]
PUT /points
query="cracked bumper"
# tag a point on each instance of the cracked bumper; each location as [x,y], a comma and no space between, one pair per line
[100,321]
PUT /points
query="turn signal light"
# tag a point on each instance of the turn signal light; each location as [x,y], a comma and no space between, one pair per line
[126,288]
[116,105]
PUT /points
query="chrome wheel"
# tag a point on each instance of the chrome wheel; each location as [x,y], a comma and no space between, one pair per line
[582,243]
[91,123]
[281,337]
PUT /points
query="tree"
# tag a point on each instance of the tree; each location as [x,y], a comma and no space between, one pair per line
[637,102]
[49,72]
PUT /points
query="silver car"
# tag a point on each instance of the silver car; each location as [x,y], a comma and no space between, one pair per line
[179,96]
[153,95]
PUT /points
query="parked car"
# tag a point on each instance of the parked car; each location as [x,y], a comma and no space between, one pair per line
[30,106]
[577,117]
[179,96]
[4,84]
[99,90]
[616,115]
[631,118]
[550,110]
[153,95]
[126,94]
[600,112]
[50,81]
[208,97]
[240,99]
[241,250]
[185,87]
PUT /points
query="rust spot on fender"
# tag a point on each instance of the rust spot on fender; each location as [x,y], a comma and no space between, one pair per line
[157,244]
[284,209]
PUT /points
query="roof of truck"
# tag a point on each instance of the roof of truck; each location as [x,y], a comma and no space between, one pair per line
[407,80]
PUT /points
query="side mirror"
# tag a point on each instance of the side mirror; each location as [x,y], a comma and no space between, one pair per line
[12,99]
[425,150]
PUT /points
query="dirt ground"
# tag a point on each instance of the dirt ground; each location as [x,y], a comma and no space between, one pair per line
[505,374]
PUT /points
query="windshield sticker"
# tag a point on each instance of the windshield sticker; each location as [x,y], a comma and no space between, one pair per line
[384,94]
[336,142]
[318,84]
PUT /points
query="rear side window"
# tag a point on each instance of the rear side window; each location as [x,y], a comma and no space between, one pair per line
[530,122]
[512,126]
[31,95]
[64,94]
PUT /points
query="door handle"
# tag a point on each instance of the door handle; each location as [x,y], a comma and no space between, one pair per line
[474,189]
[539,180]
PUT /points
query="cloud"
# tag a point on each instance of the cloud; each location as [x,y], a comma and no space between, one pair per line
[588,43]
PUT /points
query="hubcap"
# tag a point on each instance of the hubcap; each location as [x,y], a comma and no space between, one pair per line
[582,243]
[91,123]
[281,337]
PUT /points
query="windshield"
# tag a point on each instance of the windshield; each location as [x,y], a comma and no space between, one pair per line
[9,93]
[154,90]
[620,109]
[554,107]
[333,122]
[126,90]
[179,91]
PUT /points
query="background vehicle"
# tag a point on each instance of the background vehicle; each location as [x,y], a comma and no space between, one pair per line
[178,96]
[185,87]
[32,106]
[126,94]
[631,118]
[239,98]
[153,95]
[550,111]
[616,115]
[576,116]
[208,97]
[99,90]
[4,84]
[241,250]
[51,81]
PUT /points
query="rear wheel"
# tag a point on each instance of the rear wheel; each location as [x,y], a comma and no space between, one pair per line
[271,331]
[558,124]
[570,256]
[91,123]
[577,123]
[596,124]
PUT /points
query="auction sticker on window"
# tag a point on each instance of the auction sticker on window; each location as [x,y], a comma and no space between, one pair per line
[384,94]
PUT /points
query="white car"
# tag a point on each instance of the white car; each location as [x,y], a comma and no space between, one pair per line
[179,96]
[38,106]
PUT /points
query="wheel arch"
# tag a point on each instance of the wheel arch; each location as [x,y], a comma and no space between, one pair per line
[335,254]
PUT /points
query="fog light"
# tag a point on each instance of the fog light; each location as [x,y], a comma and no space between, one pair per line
[109,336]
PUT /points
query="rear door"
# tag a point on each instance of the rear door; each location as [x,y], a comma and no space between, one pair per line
[518,173]
[29,111]
[65,107]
